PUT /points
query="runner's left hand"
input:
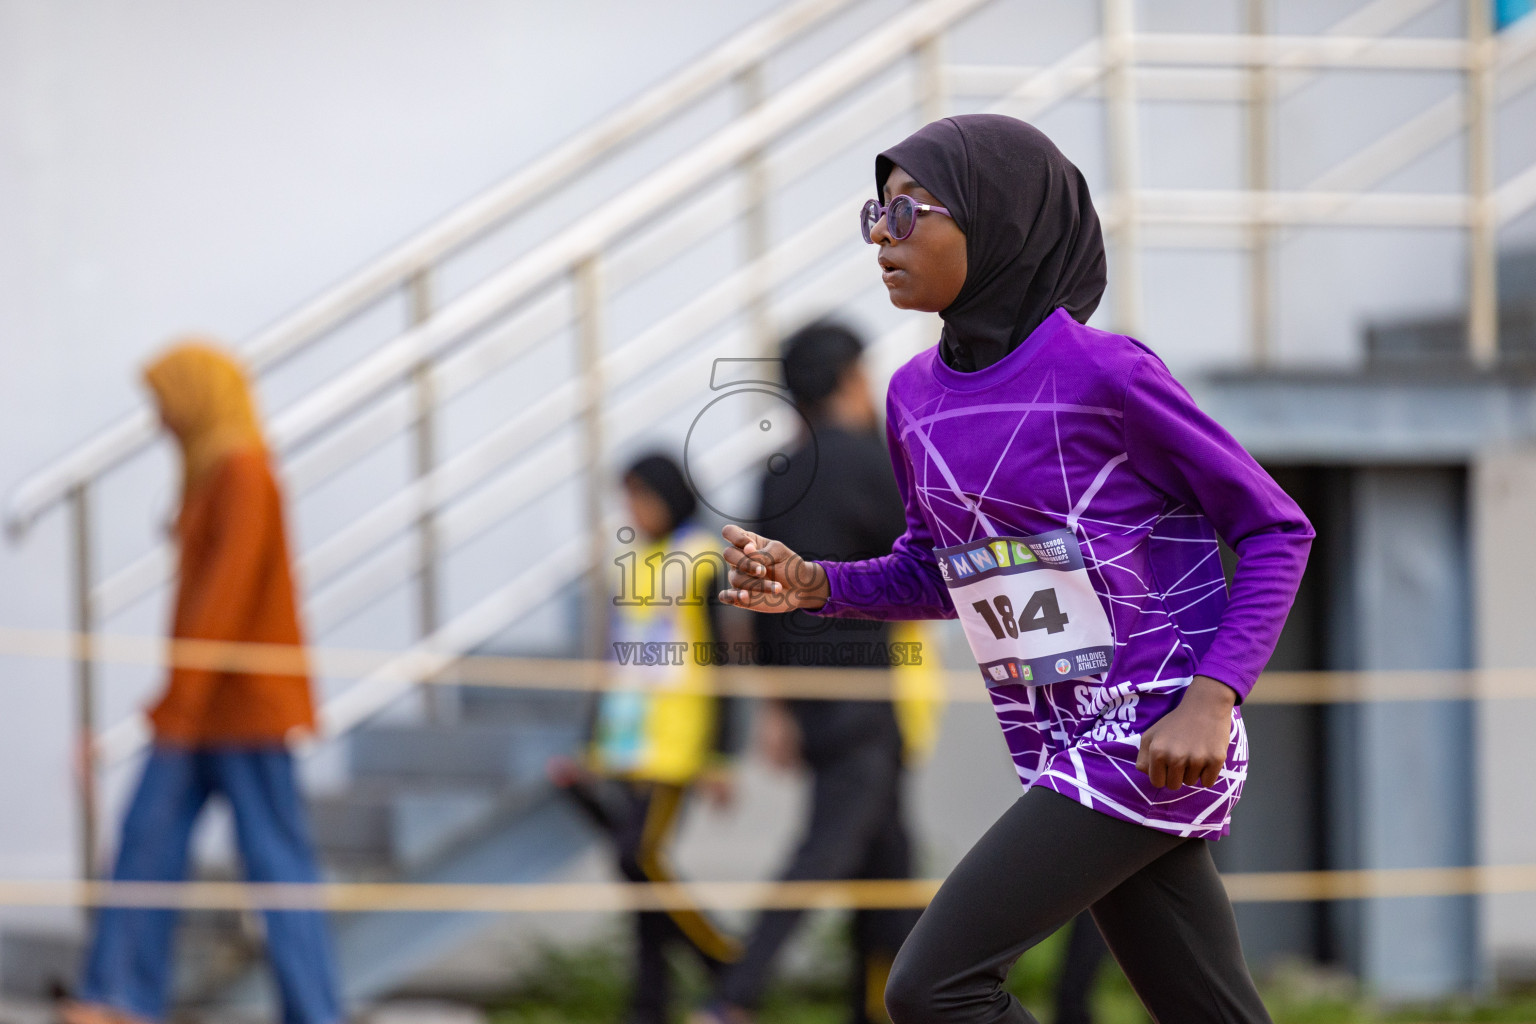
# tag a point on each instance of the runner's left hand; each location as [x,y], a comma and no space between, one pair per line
[1188,745]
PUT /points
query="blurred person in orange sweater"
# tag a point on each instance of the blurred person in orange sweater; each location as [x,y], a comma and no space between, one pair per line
[218,731]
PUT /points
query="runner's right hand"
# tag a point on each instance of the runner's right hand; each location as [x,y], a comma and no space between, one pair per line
[765,576]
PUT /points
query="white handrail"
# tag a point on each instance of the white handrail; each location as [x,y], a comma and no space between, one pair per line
[292,428]
[640,353]
[1515,196]
[552,259]
[536,476]
[617,217]
[1070,74]
[112,445]
[1303,52]
[503,300]
[1045,86]
[320,409]
[362,700]
[401,674]
[1218,82]
[560,567]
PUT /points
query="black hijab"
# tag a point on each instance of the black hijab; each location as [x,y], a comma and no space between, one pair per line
[1032,239]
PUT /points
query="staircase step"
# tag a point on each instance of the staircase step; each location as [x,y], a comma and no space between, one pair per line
[352,829]
[370,829]
[517,843]
[1441,341]
[213,948]
[33,962]
[425,823]
[447,756]
[499,704]
[418,787]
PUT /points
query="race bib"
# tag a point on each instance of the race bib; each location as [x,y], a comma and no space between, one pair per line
[1028,608]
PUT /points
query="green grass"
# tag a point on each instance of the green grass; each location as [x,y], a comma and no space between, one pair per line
[569,986]
[589,985]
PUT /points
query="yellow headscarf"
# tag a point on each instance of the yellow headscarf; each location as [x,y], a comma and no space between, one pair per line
[205,400]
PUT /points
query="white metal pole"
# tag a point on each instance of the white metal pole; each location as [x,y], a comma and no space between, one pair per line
[1261,251]
[590,331]
[441,701]
[932,104]
[1119,57]
[932,98]
[85,675]
[1482,238]
[752,90]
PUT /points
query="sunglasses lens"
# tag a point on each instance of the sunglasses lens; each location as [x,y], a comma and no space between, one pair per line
[903,217]
[868,217]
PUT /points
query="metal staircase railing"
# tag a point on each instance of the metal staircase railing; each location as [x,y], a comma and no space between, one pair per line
[405,266]
[565,284]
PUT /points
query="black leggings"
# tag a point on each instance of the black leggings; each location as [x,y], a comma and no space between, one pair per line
[1157,899]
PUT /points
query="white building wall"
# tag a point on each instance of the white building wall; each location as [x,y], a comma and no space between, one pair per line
[1503,511]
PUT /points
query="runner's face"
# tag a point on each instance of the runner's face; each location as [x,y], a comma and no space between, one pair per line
[925,270]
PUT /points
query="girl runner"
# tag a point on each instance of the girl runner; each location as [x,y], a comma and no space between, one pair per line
[1064,496]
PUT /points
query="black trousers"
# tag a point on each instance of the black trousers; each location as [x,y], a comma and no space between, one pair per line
[640,818]
[856,830]
[1079,969]
[1156,898]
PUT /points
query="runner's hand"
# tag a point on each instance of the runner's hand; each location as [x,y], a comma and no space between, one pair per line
[1188,745]
[765,576]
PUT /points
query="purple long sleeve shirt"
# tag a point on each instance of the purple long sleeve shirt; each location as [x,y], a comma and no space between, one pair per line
[1078,466]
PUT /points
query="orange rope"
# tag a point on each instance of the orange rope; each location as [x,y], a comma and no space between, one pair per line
[747,681]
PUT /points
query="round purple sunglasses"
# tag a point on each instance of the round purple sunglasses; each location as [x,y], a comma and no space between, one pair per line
[901,216]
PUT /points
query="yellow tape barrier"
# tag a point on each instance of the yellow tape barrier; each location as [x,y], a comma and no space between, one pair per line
[804,683]
[588,897]
[756,681]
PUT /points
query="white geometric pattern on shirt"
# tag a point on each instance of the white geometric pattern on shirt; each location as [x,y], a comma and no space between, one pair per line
[1060,764]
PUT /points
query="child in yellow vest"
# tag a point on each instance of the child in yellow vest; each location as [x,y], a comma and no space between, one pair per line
[658,730]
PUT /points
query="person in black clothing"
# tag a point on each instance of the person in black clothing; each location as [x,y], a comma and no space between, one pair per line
[848,507]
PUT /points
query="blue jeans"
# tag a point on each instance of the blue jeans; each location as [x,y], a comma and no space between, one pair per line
[129,965]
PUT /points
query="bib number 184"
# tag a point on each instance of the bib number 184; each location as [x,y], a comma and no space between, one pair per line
[1029,608]
[1041,611]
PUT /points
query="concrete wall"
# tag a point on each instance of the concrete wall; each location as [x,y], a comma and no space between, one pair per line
[1402,772]
[1503,510]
